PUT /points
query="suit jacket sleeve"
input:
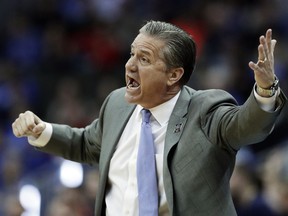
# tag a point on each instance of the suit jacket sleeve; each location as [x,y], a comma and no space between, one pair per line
[226,122]
[77,144]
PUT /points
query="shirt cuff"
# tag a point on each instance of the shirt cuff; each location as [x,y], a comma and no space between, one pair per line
[43,139]
[266,103]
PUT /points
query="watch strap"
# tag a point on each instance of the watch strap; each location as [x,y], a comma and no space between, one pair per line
[268,92]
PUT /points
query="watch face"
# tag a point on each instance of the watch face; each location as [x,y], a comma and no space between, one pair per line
[276,84]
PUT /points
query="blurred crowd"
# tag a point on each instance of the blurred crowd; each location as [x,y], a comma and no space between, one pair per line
[61,58]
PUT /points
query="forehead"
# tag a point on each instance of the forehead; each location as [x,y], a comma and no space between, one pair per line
[147,44]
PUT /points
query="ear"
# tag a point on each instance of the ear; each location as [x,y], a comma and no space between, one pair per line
[174,75]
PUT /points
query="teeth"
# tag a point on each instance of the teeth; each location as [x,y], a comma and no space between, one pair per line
[133,84]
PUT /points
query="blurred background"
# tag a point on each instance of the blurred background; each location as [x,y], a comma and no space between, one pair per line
[60,59]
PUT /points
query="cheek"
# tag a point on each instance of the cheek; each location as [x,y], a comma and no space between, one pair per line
[154,83]
[154,78]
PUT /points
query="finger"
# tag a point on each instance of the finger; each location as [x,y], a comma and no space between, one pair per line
[39,128]
[266,51]
[261,53]
[24,124]
[257,67]
[273,44]
[254,66]
[268,45]
[29,121]
[269,39]
[19,129]
[37,120]
[16,132]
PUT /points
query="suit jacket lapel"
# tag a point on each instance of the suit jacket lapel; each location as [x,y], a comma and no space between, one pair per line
[177,121]
[116,129]
[175,128]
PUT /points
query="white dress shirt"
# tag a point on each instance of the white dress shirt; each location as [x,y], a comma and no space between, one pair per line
[122,197]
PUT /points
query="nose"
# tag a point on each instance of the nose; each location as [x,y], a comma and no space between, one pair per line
[131,65]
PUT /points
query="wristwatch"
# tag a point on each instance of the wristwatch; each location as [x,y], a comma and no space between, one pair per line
[269,92]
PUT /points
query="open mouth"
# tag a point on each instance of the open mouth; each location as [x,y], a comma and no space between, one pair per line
[132,83]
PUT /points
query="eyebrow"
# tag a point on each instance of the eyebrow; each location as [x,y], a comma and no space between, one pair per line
[143,51]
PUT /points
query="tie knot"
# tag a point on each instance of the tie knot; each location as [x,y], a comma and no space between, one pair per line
[146,114]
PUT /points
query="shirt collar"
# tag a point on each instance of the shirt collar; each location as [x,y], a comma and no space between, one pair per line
[162,112]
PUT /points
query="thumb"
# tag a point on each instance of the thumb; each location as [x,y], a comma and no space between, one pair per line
[39,128]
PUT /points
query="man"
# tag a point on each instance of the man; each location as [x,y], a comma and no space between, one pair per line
[196,133]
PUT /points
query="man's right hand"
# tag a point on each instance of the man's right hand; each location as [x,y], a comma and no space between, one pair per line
[28,124]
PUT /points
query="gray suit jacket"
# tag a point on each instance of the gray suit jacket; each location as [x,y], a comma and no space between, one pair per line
[205,130]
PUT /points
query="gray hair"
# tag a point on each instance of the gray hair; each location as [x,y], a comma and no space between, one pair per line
[179,49]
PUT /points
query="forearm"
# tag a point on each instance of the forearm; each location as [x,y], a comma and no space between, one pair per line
[75,144]
[252,123]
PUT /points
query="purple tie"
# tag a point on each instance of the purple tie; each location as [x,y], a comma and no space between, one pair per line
[146,170]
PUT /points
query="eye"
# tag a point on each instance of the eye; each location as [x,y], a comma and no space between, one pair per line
[144,59]
[132,54]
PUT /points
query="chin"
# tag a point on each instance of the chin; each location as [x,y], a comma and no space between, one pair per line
[133,100]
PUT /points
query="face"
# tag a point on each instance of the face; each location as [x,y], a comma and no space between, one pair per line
[147,77]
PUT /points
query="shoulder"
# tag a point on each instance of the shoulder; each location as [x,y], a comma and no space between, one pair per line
[206,102]
[116,98]
[209,96]
[118,93]
[116,103]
